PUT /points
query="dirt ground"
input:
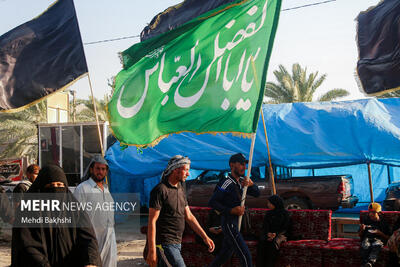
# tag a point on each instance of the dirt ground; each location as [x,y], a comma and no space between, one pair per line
[130,243]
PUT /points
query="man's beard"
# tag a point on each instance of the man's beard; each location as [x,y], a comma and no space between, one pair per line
[238,173]
[97,179]
[182,179]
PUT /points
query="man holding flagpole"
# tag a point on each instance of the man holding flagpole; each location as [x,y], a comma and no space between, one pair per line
[227,200]
[198,77]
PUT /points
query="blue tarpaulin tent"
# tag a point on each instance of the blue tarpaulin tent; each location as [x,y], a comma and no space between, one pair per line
[317,136]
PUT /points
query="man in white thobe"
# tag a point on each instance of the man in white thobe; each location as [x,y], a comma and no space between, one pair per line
[95,192]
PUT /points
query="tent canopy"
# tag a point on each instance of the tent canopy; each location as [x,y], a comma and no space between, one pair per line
[301,135]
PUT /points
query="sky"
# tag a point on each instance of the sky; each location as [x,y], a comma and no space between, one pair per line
[320,37]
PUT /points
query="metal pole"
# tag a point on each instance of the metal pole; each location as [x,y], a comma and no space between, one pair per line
[104,125]
[81,149]
[60,150]
[39,146]
[271,172]
[105,142]
[371,191]
[253,140]
[74,105]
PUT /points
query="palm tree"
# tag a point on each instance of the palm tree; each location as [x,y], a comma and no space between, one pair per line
[298,86]
[83,108]
[391,94]
[85,111]
[18,131]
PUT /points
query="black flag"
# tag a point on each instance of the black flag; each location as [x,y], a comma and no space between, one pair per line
[378,39]
[40,57]
[177,15]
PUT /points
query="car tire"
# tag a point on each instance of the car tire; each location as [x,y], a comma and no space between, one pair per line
[295,203]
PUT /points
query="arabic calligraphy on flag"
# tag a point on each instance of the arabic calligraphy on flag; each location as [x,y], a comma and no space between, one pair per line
[200,77]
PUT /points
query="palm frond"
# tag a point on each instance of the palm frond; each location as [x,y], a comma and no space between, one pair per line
[333,94]
[297,86]
[391,94]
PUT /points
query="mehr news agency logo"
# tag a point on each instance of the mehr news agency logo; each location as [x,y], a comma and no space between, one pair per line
[55,211]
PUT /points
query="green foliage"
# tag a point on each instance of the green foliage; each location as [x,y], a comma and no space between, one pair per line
[298,86]
[18,131]
[391,94]
[85,110]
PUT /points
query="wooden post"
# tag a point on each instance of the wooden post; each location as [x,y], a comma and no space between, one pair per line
[271,172]
[97,121]
[95,114]
[371,191]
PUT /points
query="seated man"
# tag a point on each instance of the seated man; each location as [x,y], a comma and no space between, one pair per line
[373,232]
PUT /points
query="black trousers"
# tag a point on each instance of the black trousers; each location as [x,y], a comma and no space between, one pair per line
[370,249]
[267,254]
[233,243]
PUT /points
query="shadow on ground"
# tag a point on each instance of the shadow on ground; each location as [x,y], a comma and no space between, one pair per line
[131,262]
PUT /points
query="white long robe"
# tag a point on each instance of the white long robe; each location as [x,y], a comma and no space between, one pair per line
[103,221]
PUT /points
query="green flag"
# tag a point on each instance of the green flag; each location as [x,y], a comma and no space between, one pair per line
[200,77]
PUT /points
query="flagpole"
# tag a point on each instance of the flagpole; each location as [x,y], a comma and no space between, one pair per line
[97,119]
[271,173]
[253,140]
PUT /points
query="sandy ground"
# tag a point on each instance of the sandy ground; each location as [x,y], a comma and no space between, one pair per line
[130,244]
